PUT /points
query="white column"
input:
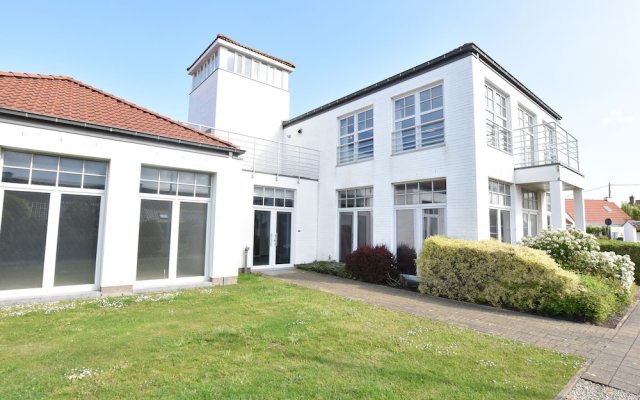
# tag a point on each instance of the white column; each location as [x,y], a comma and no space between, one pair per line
[557,206]
[518,225]
[578,208]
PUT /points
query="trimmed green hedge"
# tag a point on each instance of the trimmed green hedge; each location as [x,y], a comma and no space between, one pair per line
[624,248]
[514,277]
[327,267]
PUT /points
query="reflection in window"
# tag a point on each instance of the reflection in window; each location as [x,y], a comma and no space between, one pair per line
[23,233]
[154,240]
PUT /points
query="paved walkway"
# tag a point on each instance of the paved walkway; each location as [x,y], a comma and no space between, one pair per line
[614,353]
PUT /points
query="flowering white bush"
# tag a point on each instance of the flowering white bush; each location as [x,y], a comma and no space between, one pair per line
[579,251]
[563,246]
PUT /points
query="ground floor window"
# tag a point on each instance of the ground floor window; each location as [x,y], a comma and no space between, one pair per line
[414,225]
[530,223]
[500,225]
[355,220]
[172,241]
[49,220]
[420,211]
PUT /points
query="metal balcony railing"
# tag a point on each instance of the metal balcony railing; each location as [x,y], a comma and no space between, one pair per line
[269,156]
[545,144]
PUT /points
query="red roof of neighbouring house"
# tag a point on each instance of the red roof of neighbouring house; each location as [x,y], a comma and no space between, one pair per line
[68,99]
[596,211]
[229,40]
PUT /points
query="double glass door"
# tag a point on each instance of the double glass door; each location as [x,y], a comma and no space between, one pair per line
[271,238]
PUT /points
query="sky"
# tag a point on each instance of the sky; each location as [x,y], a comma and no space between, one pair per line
[580,57]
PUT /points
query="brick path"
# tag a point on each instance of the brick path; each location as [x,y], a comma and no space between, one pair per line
[615,354]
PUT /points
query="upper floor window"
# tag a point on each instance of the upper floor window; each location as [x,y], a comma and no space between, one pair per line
[259,71]
[419,120]
[498,134]
[356,137]
[172,182]
[206,69]
[47,170]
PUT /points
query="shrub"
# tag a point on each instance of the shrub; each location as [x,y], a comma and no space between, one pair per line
[326,267]
[602,231]
[580,252]
[491,272]
[372,264]
[564,246]
[630,249]
[593,301]
[406,259]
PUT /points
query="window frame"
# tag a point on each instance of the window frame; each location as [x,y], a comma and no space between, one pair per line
[353,138]
[500,207]
[176,201]
[502,141]
[412,137]
[354,211]
[53,224]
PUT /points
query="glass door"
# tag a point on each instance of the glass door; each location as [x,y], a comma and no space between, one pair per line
[272,238]
[261,237]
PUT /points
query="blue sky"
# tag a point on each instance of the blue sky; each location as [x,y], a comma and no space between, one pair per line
[581,57]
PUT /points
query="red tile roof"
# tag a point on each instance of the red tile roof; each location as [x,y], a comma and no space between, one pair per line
[229,40]
[66,98]
[595,212]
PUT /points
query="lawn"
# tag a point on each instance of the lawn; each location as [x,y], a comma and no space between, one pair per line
[260,339]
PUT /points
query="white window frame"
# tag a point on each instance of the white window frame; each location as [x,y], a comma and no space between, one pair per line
[530,208]
[418,213]
[354,210]
[526,123]
[349,143]
[51,241]
[499,134]
[504,203]
[176,201]
[410,137]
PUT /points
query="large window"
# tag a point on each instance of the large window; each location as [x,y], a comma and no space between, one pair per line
[355,219]
[419,120]
[498,133]
[526,122]
[356,137]
[420,211]
[50,209]
[173,224]
[500,210]
[530,213]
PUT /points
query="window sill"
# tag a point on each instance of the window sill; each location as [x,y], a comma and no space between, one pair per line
[435,146]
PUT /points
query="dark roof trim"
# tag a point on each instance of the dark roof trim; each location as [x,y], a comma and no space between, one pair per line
[119,131]
[231,41]
[447,58]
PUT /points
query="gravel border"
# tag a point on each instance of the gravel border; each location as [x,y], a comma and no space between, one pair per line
[587,390]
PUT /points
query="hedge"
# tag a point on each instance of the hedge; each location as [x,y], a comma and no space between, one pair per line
[624,248]
[373,264]
[511,276]
[326,267]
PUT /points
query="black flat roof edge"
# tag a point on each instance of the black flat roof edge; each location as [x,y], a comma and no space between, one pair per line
[447,58]
[117,131]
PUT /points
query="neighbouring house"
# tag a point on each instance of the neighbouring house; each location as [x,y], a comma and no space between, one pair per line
[631,231]
[596,212]
[455,146]
[99,194]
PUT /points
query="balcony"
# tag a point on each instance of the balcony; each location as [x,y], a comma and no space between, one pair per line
[269,156]
[545,144]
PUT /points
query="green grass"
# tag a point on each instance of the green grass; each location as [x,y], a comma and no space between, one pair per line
[262,339]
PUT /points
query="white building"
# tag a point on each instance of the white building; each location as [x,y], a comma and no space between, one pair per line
[454,146]
[100,195]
